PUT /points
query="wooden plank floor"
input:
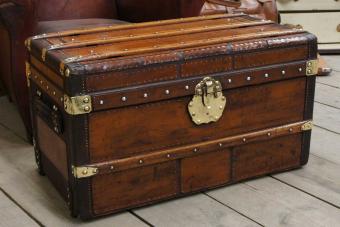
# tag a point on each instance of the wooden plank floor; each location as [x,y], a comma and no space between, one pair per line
[305,197]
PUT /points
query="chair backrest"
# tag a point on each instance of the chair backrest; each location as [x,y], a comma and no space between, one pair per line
[47,10]
[149,10]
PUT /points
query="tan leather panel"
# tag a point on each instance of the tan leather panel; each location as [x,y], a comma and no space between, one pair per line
[205,171]
[270,57]
[52,146]
[47,72]
[206,66]
[134,187]
[140,129]
[266,157]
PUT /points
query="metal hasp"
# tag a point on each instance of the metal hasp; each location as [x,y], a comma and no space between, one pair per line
[78,104]
[312,68]
[84,171]
[208,102]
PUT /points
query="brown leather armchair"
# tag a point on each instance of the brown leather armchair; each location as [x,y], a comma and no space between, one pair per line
[20,19]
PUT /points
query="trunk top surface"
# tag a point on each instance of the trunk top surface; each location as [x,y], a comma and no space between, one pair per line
[105,49]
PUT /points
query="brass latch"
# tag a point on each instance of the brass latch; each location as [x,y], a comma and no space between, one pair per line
[208,102]
[84,171]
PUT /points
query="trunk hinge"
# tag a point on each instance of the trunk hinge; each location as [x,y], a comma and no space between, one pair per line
[84,171]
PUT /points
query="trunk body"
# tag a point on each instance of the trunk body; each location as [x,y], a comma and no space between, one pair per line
[180,105]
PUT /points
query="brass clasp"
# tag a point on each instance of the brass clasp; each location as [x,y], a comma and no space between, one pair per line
[208,102]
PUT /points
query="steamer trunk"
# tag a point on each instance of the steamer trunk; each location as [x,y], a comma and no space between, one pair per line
[181,105]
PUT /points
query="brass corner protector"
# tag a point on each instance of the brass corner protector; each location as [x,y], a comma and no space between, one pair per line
[84,171]
[28,73]
[43,54]
[64,71]
[312,67]
[28,43]
[307,126]
[78,104]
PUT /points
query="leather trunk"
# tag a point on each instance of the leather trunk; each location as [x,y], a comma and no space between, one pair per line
[129,115]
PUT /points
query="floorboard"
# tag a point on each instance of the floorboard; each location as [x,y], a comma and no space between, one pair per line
[196,211]
[273,203]
[11,215]
[19,178]
[327,95]
[327,117]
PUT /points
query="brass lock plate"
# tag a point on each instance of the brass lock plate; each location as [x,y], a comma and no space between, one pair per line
[208,103]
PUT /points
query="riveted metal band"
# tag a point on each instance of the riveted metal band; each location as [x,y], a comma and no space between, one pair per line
[78,104]
[312,68]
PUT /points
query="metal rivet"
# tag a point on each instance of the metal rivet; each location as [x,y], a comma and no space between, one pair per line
[145,95]
[198,121]
[55,108]
[300,69]
[309,64]
[47,88]
[124,99]
[193,114]
[126,49]
[244,139]
[248,78]
[112,167]
[84,172]
[61,99]
[216,118]
[187,87]
[86,100]
[290,130]
[221,107]
[39,93]
[269,134]
[190,104]
[220,144]
[309,71]
[283,72]
[141,161]
[195,150]
[87,108]
[72,39]
[168,155]
[229,81]
[266,75]
[41,81]
[101,102]
[65,106]
[167,92]
[54,93]
[56,129]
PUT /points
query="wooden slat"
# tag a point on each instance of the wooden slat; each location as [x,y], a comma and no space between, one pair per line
[327,117]
[149,46]
[328,95]
[198,211]
[12,215]
[325,144]
[133,26]
[319,178]
[20,179]
[273,203]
